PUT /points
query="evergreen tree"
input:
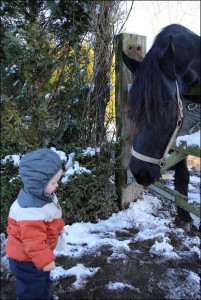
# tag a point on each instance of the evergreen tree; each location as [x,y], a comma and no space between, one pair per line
[39,73]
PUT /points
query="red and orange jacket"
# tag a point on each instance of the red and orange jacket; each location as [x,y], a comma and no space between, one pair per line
[33,233]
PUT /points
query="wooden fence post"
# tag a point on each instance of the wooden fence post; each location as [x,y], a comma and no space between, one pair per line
[134,46]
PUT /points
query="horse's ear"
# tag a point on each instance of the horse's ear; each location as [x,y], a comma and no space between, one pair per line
[167,63]
[131,63]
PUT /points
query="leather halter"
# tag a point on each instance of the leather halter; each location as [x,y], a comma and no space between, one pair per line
[161,162]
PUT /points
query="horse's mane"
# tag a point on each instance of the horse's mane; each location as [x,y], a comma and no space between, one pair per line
[150,90]
[150,93]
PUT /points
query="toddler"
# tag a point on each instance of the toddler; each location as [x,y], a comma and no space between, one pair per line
[34,224]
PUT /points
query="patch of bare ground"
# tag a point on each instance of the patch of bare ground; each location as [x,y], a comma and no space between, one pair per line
[147,276]
[193,161]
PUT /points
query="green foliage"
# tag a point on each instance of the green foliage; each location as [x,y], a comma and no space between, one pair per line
[48,71]
[88,197]
[41,61]
[10,187]
[72,18]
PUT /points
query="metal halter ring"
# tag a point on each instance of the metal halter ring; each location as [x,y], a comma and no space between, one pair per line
[192,106]
[162,162]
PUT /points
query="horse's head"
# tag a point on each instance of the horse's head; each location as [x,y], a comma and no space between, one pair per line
[153,99]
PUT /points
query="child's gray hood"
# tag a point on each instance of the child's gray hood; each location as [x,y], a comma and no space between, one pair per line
[36,169]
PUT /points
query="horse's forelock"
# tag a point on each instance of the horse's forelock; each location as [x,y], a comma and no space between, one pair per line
[150,91]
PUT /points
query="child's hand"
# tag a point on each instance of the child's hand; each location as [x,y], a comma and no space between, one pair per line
[49,267]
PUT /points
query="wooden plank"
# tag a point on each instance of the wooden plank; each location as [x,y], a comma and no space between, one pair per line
[177,198]
[188,150]
[177,155]
[173,159]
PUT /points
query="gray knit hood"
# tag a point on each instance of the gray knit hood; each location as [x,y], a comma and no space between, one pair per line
[36,169]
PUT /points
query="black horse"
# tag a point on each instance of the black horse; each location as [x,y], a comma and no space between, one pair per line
[168,70]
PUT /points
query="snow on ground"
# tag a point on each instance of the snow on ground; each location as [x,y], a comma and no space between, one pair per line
[190,139]
[80,271]
[81,238]
[119,285]
[189,287]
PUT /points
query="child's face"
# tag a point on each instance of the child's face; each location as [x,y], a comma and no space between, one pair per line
[53,183]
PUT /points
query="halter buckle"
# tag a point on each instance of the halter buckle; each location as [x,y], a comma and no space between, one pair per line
[162,162]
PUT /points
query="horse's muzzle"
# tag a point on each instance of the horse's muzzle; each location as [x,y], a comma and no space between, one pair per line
[143,172]
[144,178]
